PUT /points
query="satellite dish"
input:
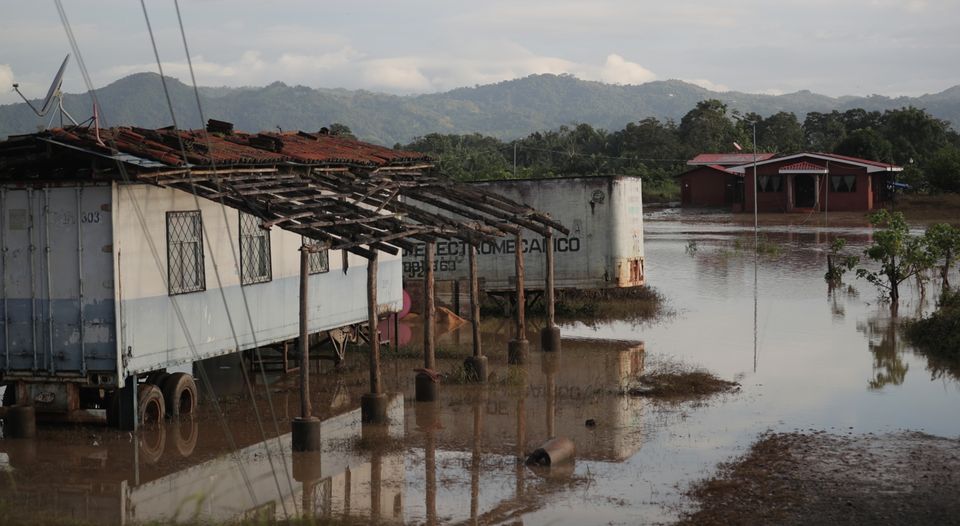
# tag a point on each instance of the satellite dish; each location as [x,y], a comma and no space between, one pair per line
[52,93]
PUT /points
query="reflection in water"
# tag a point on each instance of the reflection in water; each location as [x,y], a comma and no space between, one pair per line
[629,465]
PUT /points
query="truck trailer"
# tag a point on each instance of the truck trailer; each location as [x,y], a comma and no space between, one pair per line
[603,250]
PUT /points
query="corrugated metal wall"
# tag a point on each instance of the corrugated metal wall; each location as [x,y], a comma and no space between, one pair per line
[57,280]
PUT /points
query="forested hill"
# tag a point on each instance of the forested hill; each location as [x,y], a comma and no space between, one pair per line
[505,110]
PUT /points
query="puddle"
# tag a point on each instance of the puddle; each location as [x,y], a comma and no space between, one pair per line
[807,357]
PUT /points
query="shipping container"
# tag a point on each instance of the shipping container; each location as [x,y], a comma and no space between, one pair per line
[603,250]
[100,282]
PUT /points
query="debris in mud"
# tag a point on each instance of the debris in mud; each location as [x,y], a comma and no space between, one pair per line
[796,478]
[671,381]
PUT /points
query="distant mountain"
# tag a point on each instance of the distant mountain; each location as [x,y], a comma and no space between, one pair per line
[506,109]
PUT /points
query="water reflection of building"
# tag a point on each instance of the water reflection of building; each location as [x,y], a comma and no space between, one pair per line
[118,483]
[556,394]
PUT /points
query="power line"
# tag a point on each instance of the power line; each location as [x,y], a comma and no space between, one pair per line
[226,306]
[153,250]
[233,251]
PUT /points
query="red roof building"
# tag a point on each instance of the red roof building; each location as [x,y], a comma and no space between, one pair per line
[817,182]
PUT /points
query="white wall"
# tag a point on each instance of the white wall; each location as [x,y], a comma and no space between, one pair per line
[151,334]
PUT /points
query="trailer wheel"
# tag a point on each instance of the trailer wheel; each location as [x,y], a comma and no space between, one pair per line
[152,442]
[180,394]
[185,433]
[150,405]
[157,378]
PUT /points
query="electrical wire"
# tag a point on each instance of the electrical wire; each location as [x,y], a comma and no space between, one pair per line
[233,250]
[155,253]
[183,151]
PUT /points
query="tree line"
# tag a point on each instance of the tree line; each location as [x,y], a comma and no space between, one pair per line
[657,150]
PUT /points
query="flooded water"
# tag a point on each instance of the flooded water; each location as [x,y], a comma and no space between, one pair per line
[807,358]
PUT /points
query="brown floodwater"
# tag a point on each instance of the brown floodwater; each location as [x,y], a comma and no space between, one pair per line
[807,357]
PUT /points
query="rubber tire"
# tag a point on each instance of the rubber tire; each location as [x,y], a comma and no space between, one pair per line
[152,442]
[157,378]
[150,405]
[176,387]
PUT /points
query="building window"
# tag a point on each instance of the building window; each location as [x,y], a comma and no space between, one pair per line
[320,260]
[843,183]
[185,252]
[254,251]
[770,183]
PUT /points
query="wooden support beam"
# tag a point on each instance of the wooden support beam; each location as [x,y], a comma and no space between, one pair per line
[475,302]
[429,313]
[521,300]
[372,321]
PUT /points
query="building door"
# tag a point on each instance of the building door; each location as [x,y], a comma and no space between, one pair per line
[804,191]
[685,193]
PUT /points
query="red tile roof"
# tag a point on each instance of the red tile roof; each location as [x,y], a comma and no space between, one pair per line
[728,159]
[206,149]
[803,166]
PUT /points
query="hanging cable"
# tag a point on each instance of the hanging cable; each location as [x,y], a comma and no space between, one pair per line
[155,253]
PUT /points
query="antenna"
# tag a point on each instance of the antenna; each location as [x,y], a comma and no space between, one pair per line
[53,93]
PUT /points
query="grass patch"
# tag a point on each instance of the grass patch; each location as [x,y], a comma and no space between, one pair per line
[633,304]
[676,382]
[938,336]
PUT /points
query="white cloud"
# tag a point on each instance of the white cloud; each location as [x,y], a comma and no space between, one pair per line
[395,74]
[618,70]
[706,84]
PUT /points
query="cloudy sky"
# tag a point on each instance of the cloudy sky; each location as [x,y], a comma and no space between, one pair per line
[835,47]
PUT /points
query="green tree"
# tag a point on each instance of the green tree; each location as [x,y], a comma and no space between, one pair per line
[823,131]
[780,133]
[341,130]
[943,170]
[706,128]
[866,143]
[943,242]
[899,254]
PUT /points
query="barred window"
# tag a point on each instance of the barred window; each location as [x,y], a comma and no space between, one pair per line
[185,252]
[320,260]
[843,183]
[254,251]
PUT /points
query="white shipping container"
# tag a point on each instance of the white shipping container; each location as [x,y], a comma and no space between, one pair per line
[603,250]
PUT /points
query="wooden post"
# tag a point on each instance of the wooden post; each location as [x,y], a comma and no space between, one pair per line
[305,434]
[305,409]
[475,302]
[373,405]
[521,300]
[429,305]
[375,380]
[426,387]
[518,347]
[476,365]
[550,335]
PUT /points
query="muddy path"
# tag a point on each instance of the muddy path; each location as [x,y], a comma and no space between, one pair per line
[818,478]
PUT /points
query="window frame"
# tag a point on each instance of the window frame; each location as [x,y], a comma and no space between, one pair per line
[319,261]
[199,283]
[250,230]
[851,189]
[769,182]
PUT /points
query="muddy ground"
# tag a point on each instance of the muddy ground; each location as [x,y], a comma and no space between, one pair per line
[819,478]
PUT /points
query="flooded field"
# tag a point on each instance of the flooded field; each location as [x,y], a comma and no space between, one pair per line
[805,356]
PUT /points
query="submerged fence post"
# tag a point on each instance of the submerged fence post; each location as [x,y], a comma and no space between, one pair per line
[373,405]
[305,429]
[476,365]
[550,335]
[427,388]
[517,349]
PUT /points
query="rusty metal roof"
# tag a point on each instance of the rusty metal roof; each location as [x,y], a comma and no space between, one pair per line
[728,159]
[218,149]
